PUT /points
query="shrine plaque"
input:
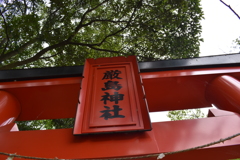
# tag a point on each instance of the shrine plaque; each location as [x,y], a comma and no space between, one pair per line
[111,97]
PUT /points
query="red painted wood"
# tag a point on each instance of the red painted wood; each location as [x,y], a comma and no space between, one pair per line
[48,98]
[167,90]
[45,99]
[181,89]
[96,115]
[219,112]
[9,108]
[224,92]
[164,137]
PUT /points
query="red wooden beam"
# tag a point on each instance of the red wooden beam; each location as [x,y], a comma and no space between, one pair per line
[224,92]
[9,108]
[164,137]
[166,90]
[47,98]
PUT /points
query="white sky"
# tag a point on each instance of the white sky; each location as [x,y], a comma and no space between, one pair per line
[219,28]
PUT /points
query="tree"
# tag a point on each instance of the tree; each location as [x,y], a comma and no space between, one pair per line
[42,33]
[185,114]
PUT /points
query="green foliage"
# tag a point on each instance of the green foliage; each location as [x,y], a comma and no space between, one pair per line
[185,114]
[45,124]
[42,33]
[236,45]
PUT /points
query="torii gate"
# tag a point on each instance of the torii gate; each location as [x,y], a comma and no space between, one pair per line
[53,93]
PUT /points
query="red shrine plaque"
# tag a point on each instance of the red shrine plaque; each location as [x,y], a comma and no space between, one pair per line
[111,97]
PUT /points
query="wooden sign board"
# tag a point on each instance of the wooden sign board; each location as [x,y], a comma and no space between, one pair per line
[111,97]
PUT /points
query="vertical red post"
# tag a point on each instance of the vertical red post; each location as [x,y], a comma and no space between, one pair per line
[224,93]
[9,108]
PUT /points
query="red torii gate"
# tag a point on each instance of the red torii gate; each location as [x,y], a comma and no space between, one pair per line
[191,83]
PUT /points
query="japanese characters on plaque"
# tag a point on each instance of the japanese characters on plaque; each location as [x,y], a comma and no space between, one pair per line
[111,97]
[111,101]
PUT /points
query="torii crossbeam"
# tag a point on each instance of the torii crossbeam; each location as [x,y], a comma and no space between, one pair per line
[53,93]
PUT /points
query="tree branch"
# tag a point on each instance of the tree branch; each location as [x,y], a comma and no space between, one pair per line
[34,58]
[104,50]
[82,44]
[25,7]
[106,37]
[18,50]
[103,20]
[68,41]
[115,33]
[50,56]
[80,25]
[230,9]
[92,46]
[6,31]
[49,19]
[98,44]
